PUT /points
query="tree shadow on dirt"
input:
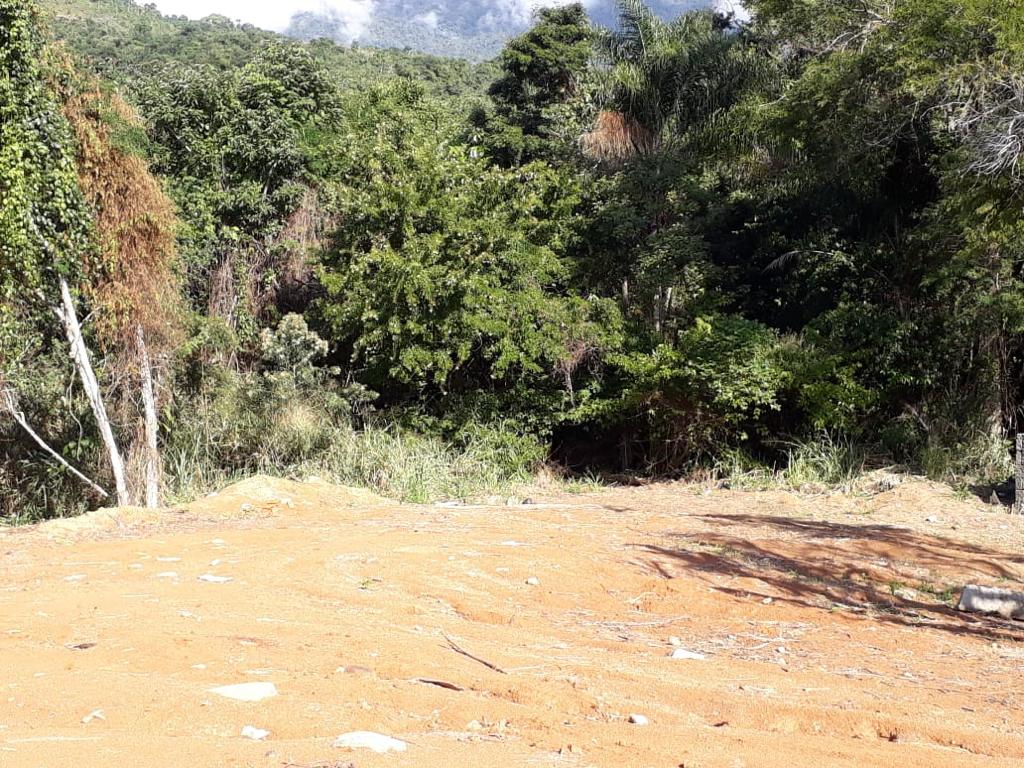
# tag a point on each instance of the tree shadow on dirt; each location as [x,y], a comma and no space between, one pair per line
[809,570]
[924,550]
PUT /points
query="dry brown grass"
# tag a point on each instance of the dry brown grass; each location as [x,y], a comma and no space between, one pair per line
[131,277]
[134,281]
[616,138]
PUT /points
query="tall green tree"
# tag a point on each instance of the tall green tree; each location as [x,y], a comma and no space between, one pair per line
[541,70]
[447,277]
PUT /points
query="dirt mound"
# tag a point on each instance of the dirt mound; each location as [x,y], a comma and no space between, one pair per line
[255,497]
[275,495]
[811,631]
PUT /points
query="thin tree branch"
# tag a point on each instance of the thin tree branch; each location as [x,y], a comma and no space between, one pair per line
[468,655]
[10,402]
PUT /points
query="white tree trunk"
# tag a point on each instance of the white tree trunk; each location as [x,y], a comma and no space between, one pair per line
[149,406]
[80,354]
[1018,496]
[10,402]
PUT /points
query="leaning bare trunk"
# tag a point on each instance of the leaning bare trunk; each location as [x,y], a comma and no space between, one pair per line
[149,406]
[80,354]
[1018,500]
[10,403]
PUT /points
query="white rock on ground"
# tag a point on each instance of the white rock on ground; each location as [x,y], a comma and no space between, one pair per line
[533,581]
[682,653]
[246,691]
[256,734]
[1001,602]
[639,720]
[375,742]
[211,579]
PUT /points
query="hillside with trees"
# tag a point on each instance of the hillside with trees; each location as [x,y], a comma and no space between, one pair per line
[122,40]
[469,29]
[779,250]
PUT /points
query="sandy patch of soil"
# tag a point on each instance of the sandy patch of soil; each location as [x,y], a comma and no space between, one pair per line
[825,624]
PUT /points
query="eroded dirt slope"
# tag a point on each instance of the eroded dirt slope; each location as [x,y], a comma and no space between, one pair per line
[824,624]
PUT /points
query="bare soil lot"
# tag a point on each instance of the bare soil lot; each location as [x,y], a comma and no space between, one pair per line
[824,622]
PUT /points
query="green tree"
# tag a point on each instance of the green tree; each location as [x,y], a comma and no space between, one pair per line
[238,149]
[540,71]
[446,276]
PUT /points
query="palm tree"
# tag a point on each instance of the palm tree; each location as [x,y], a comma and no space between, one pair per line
[664,77]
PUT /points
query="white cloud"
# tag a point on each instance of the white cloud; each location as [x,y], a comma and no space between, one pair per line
[430,19]
[354,15]
[735,7]
[518,13]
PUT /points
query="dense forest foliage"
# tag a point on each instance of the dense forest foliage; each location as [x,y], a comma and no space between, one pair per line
[784,247]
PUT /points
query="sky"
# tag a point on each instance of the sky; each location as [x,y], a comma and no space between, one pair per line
[355,15]
[273,15]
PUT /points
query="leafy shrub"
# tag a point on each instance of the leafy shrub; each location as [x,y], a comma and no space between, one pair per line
[715,385]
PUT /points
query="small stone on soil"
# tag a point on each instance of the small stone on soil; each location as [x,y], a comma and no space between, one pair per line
[375,742]
[682,653]
[211,579]
[354,671]
[639,720]
[246,691]
[256,734]
[533,581]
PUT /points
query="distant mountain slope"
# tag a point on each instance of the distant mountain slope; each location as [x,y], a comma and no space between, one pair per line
[473,29]
[121,40]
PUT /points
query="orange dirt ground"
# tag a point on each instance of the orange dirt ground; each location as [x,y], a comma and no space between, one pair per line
[344,601]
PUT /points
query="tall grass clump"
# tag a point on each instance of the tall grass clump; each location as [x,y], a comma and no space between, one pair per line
[289,420]
[981,457]
[387,459]
[825,462]
[828,461]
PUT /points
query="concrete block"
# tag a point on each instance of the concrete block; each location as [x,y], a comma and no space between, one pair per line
[1002,602]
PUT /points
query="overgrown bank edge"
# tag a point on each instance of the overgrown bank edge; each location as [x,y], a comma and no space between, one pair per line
[780,250]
